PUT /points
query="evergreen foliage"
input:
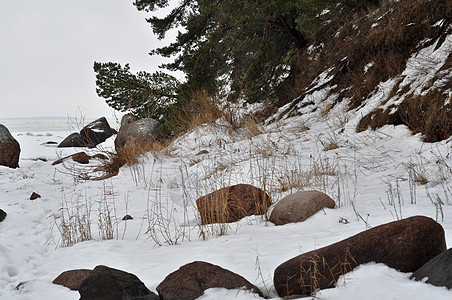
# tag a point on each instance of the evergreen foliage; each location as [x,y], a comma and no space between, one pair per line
[246,46]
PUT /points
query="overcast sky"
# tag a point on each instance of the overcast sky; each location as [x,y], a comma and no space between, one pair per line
[48,48]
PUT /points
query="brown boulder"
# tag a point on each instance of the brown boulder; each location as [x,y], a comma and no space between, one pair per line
[299,206]
[404,245]
[191,280]
[9,149]
[80,157]
[232,203]
[72,278]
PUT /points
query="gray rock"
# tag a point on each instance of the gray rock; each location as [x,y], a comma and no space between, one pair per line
[299,206]
[143,130]
[438,270]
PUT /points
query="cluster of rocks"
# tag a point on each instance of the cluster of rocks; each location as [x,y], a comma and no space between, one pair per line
[142,130]
[89,136]
[187,283]
[416,244]
[96,132]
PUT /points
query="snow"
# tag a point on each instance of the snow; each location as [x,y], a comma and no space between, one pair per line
[160,192]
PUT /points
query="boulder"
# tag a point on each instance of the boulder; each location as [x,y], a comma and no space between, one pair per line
[9,149]
[191,280]
[74,140]
[2,215]
[72,278]
[90,136]
[299,206]
[143,131]
[404,245]
[438,270]
[105,283]
[97,131]
[232,203]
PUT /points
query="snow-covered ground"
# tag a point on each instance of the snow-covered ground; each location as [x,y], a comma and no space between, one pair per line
[372,176]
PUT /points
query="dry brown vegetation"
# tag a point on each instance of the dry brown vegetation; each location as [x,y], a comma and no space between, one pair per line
[368,48]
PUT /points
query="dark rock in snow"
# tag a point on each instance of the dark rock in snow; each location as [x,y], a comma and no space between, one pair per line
[127,217]
[299,206]
[438,270]
[191,280]
[404,245]
[72,278]
[90,136]
[105,283]
[2,215]
[97,131]
[232,203]
[34,196]
[80,157]
[9,149]
[74,140]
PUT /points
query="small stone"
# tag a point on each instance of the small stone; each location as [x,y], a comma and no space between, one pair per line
[127,217]
[34,196]
[2,215]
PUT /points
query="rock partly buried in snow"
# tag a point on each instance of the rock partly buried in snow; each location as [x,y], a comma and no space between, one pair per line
[9,149]
[438,270]
[299,206]
[232,203]
[143,131]
[2,215]
[34,196]
[97,131]
[81,158]
[90,136]
[404,245]
[72,278]
[105,283]
[74,140]
[191,280]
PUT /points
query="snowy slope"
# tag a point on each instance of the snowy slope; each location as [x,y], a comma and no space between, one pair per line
[160,191]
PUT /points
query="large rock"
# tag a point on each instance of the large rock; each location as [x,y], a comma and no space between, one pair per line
[142,131]
[438,270]
[74,140]
[191,280]
[299,206]
[232,203]
[97,131]
[72,278]
[105,283]
[2,215]
[9,149]
[90,136]
[404,245]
